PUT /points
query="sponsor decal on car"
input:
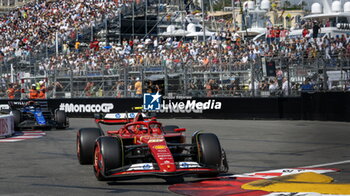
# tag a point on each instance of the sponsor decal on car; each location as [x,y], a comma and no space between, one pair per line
[184,165]
[75,108]
[122,115]
[141,166]
[164,155]
[155,140]
[146,166]
[189,164]
[18,103]
[159,147]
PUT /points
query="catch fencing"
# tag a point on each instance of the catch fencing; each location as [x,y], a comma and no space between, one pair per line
[227,77]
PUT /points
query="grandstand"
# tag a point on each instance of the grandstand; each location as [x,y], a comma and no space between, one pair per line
[7,5]
[95,46]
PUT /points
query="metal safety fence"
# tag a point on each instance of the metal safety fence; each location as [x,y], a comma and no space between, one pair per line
[264,76]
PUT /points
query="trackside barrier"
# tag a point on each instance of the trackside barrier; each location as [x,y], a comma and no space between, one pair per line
[309,106]
[6,125]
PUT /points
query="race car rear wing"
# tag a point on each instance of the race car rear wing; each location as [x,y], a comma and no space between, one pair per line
[20,104]
[120,118]
[16,104]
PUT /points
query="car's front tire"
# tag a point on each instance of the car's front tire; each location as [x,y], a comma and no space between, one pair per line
[209,152]
[108,154]
[85,143]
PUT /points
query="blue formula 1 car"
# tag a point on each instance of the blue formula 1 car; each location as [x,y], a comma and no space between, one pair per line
[37,115]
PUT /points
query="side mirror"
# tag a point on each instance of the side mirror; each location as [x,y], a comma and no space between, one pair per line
[180,130]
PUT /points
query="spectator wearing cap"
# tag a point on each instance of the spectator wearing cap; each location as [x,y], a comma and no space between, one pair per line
[33,93]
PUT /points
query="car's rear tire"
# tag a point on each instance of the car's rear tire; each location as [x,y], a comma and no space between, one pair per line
[85,143]
[108,154]
[61,119]
[209,152]
[17,118]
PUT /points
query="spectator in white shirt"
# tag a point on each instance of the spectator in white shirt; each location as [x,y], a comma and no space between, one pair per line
[285,87]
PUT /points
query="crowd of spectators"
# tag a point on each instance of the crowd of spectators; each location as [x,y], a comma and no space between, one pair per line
[27,29]
[221,52]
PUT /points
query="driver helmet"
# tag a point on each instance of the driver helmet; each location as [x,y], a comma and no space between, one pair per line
[143,129]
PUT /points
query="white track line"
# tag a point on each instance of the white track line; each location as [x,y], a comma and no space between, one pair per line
[11,140]
[327,164]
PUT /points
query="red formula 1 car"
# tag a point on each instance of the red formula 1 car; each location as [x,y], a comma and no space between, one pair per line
[144,147]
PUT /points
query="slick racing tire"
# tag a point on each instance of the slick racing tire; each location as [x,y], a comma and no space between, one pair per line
[170,128]
[17,118]
[209,152]
[86,138]
[108,155]
[61,119]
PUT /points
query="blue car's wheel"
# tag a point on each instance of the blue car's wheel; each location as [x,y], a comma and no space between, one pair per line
[61,119]
[17,118]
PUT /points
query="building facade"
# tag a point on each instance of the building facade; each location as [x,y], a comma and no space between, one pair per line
[7,5]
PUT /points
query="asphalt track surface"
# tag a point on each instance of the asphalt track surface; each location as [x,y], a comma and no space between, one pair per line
[48,165]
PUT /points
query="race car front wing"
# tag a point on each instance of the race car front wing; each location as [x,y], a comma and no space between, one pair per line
[151,169]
